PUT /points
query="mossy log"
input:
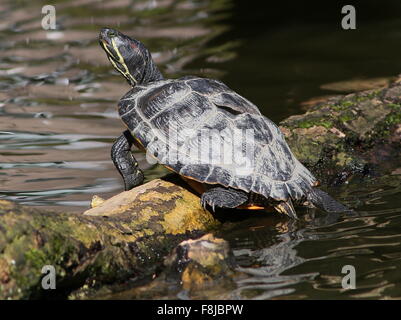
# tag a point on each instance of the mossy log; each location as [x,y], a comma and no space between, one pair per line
[358,133]
[123,238]
[128,235]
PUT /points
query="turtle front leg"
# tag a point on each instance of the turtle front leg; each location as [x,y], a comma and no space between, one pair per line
[125,162]
[223,198]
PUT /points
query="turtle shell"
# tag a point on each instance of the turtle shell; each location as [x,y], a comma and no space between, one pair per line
[204,131]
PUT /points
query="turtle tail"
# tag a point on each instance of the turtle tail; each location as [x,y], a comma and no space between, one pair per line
[323,201]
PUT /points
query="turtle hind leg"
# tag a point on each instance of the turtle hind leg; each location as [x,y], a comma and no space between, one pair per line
[125,162]
[323,201]
[287,208]
[223,198]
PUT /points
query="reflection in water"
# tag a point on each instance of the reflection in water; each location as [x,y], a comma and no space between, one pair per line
[306,258]
[58,91]
[266,281]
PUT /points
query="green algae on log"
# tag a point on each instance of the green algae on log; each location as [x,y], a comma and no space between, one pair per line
[118,240]
[356,133]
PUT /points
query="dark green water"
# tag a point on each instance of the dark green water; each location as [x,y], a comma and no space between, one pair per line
[57,120]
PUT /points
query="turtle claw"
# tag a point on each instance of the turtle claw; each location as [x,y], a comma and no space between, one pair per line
[204,203]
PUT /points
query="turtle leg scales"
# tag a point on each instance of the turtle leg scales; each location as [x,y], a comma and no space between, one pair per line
[223,198]
[125,162]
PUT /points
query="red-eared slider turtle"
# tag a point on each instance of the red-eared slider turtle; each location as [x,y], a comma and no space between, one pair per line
[167,118]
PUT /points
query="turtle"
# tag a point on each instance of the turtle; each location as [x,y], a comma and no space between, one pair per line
[167,118]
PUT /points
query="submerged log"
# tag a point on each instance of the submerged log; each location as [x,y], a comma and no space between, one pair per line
[128,236]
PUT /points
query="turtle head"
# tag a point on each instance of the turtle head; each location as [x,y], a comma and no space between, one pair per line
[129,57]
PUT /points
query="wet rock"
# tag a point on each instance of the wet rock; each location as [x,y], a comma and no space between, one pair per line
[201,263]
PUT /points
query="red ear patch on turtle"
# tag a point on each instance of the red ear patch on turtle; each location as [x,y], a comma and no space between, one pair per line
[133,45]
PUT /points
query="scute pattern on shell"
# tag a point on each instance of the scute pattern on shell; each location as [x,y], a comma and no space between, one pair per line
[178,110]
